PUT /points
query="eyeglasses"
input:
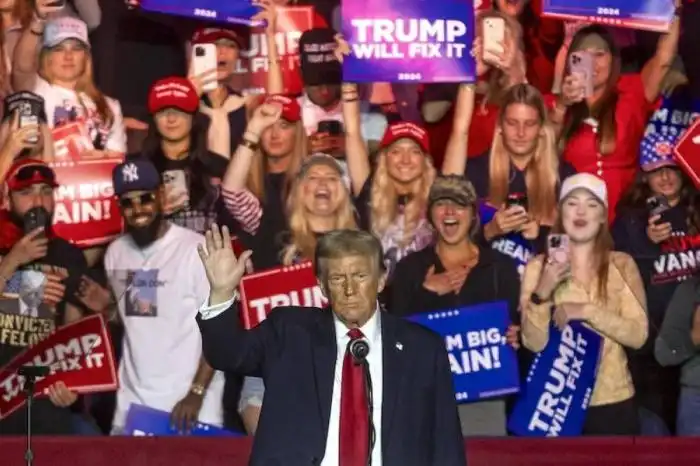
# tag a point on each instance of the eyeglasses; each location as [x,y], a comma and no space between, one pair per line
[143,199]
[34,172]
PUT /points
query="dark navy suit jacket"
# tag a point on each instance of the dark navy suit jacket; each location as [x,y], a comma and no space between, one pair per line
[295,351]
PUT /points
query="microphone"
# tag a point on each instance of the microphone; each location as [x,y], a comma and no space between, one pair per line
[33,372]
[359,349]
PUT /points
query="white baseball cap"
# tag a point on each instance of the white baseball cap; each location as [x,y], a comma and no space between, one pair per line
[587,181]
[64,28]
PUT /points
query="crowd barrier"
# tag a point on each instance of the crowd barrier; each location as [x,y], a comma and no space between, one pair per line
[188,451]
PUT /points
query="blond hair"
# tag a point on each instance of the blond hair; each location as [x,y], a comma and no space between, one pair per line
[258,169]
[541,173]
[303,238]
[384,206]
[85,85]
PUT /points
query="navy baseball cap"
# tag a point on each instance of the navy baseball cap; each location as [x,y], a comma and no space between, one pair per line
[135,174]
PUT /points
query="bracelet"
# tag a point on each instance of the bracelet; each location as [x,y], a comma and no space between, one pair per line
[38,34]
[198,389]
[247,143]
[350,100]
[251,136]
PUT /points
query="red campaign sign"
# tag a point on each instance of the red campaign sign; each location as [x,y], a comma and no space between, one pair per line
[294,285]
[86,212]
[78,354]
[251,69]
[70,141]
[687,152]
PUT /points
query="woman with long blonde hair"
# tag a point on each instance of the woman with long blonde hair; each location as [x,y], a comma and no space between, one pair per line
[91,123]
[590,283]
[519,178]
[260,176]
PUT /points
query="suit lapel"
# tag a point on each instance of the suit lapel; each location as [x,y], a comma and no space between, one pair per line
[324,350]
[393,362]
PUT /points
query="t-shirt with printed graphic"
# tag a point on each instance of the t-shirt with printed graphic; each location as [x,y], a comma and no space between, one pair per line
[75,124]
[391,239]
[512,245]
[158,291]
[25,320]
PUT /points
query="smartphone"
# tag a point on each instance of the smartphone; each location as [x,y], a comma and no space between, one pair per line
[658,205]
[28,116]
[35,218]
[581,63]
[494,33]
[516,199]
[558,248]
[331,127]
[203,60]
[57,3]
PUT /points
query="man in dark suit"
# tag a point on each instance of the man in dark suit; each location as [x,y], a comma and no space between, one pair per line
[317,410]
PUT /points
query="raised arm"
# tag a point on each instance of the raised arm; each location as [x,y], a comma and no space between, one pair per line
[25,61]
[275,79]
[356,154]
[455,162]
[655,70]
[536,318]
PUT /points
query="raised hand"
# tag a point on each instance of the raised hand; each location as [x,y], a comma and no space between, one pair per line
[44,8]
[223,270]
[267,14]
[342,48]
[264,116]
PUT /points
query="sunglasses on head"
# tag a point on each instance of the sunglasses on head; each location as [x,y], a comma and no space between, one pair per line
[143,199]
[32,172]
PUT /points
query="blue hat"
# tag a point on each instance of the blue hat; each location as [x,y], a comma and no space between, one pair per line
[656,151]
[135,174]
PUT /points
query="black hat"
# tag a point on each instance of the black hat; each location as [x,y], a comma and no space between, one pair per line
[318,62]
[26,103]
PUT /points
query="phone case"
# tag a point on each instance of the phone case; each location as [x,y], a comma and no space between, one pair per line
[558,253]
[494,31]
[581,63]
[205,62]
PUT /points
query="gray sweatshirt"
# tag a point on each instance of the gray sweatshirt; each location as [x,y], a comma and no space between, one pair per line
[674,346]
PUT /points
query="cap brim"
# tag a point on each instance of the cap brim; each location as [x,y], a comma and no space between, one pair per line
[650,167]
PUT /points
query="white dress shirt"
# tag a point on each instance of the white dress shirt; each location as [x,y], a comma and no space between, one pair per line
[372,331]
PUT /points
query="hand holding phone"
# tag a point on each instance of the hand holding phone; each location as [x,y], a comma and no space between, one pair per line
[558,248]
[204,66]
[494,34]
[581,67]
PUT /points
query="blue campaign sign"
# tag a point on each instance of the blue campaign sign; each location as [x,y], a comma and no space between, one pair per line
[555,398]
[408,41]
[483,364]
[676,113]
[228,11]
[513,245]
[644,14]
[142,421]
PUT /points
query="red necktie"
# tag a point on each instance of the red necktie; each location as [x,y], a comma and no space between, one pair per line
[354,412]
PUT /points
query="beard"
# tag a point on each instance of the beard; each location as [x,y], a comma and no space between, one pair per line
[146,235]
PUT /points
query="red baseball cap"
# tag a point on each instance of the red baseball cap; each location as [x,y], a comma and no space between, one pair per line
[27,172]
[405,129]
[291,111]
[211,35]
[173,92]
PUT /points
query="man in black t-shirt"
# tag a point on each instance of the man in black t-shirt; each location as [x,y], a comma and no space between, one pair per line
[44,285]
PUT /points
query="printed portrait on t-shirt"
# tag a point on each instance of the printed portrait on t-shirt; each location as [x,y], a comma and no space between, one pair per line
[141,294]
[24,318]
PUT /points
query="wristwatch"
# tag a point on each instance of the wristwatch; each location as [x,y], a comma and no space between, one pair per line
[198,389]
[536,299]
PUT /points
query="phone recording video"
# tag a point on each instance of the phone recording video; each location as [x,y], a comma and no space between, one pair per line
[581,65]
[658,205]
[330,127]
[516,199]
[558,248]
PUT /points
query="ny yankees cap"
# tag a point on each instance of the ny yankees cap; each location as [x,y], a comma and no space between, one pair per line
[135,174]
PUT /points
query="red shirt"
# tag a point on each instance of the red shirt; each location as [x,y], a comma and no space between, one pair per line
[542,38]
[619,168]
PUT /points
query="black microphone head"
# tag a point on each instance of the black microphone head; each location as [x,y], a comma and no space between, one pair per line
[33,371]
[359,349]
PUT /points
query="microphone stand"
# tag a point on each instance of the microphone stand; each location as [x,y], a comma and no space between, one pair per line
[370,406]
[30,374]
